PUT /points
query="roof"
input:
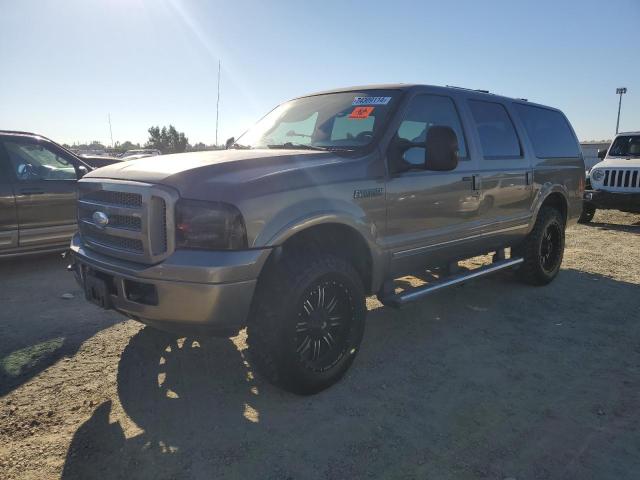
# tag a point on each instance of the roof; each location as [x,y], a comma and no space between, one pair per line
[18,132]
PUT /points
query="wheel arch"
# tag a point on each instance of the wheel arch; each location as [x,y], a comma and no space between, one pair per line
[333,232]
[556,196]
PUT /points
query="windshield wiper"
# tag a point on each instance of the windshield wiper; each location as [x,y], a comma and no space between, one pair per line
[237,146]
[298,146]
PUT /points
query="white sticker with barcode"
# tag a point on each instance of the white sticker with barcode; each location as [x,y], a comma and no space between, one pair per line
[359,101]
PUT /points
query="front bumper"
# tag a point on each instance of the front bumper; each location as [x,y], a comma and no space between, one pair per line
[626,202]
[189,292]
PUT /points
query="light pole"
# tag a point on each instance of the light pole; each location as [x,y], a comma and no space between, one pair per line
[620,91]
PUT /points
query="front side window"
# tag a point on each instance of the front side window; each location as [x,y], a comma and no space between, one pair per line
[497,134]
[333,121]
[549,132]
[424,112]
[32,161]
[625,146]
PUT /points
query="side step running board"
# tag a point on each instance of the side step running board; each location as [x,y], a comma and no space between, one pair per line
[413,294]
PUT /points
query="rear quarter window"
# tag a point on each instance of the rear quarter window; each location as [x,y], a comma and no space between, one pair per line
[549,132]
[497,134]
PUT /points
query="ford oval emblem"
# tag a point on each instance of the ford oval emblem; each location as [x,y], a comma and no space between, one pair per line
[100,219]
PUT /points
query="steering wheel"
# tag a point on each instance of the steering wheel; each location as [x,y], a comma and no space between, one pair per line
[25,171]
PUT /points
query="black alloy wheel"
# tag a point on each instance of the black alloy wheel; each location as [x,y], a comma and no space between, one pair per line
[324,321]
[550,247]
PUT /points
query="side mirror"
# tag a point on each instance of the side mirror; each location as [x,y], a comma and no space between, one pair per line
[441,153]
[230,141]
[602,153]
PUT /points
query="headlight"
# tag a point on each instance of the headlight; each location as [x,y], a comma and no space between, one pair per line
[597,175]
[209,226]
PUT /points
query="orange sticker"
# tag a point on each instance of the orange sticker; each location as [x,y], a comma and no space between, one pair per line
[360,113]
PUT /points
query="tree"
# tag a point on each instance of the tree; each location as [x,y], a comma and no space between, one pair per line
[127,145]
[167,140]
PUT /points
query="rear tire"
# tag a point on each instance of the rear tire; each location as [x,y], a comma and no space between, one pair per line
[543,249]
[307,321]
[588,211]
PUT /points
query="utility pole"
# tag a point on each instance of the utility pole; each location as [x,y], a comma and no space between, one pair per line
[218,103]
[620,91]
[110,130]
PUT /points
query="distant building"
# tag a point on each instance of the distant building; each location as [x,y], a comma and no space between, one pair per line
[590,151]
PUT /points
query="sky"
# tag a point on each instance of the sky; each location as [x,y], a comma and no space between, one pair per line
[66,65]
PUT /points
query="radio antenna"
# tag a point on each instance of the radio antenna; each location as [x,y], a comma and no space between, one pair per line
[218,104]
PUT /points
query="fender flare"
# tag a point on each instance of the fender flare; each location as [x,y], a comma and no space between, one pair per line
[367,231]
[545,191]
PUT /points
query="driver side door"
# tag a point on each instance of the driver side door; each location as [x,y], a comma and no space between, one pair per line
[44,179]
[428,211]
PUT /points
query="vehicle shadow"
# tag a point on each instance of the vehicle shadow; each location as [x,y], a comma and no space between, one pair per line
[35,326]
[633,228]
[488,380]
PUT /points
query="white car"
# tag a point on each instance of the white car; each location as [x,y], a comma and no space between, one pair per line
[140,153]
[615,181]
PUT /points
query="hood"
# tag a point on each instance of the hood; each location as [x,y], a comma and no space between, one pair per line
[225,166]
[619,162]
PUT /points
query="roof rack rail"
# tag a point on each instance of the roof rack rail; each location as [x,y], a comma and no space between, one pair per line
[523,99]
[470,89]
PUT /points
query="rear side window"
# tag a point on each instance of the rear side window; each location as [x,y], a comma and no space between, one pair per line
[497,134]
[549,132]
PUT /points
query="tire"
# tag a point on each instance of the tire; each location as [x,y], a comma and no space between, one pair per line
[588,211]
[543,248]
[307,322]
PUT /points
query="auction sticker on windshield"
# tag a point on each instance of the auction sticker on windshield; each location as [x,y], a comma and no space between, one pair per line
[371,101]
[360,113]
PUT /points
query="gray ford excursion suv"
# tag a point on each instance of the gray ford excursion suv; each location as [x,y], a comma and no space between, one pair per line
[327,199]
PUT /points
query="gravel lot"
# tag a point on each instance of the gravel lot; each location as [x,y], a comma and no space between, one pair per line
[489,380]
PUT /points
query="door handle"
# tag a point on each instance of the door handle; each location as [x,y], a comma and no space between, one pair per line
[476,181]
[32,191]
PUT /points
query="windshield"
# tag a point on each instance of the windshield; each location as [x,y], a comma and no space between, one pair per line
[625,146]
[334,121]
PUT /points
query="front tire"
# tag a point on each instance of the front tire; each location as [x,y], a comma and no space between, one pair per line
[543,249]
[588,211]
[307,321]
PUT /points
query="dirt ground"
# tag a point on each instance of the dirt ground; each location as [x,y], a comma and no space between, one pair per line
[492,380]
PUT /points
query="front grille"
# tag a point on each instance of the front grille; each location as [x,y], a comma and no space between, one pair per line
[163,228]
[622,178]
[127,222]
[125,199]
[123,221]
[138,217]
[111,241]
